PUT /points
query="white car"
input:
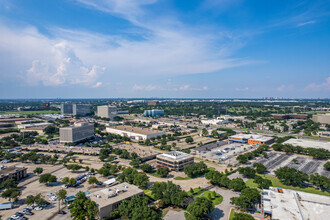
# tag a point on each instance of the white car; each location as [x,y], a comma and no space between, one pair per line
[38,208]
[50,194]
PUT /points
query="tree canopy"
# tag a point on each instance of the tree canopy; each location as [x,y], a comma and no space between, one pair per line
[82,208]
[199,209]
[169,193]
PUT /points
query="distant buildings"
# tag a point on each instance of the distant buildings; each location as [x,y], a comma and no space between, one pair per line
[174,160]
[152,103]
[251,139]
[78,132]
[75,109]
[323,119]
[13,172]
[153,113]
[291,205]
[136,133]
[214,122]
[106,111]
[109,199]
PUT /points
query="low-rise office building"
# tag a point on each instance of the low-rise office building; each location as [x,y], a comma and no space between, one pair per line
[136,133]
[277,203]
[174,160]
[252,139]
[322,118]
[109,199]
[13,172]
[290,116]
[153,113]
[106,111]
[78,132]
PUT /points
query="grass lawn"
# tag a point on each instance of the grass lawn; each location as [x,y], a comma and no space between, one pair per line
[216,200]
[232,213]
[196,191]
[182,178]
[31,112]
[148,193]
[276,183]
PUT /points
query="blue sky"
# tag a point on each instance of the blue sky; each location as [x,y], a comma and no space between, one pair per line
[164,48]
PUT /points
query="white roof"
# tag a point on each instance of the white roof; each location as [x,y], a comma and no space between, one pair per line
[110,181]
[308,143]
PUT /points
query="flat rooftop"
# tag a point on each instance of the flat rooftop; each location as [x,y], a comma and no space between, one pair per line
[6,170]
[308,143]
[111,195]
[138,130]
[175,155]
[256,137]
[292,205]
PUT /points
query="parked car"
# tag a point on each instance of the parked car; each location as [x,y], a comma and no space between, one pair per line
[38,208]
[62,212]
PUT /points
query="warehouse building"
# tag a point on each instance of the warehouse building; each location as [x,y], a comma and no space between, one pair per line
[109,199]
[323,119]
[290,116]
[153,113]
[13,172]
[252,139]
[136,133]
[78,132]
[288,204]
[174,160]
[106,111]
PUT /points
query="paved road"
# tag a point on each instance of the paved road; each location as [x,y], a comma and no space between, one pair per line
[221,211]
[174,215]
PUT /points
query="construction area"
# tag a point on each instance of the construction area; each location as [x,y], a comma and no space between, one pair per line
[305,164]
[292,205]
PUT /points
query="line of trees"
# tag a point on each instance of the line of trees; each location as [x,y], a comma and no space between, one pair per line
[318,153]
[243,158]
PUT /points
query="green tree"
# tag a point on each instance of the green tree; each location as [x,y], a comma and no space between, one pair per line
[37,199]
[205,132]
[247,198]
[237,184]
[47,177]
[327,165]
[199,209]
[189,140]
[215,134]
[196,169]
[260,168]
[72,182]
[82,208]
[146,168]
[92,180]
[9,183]
[11,193]
[242,216]
[61,195]
[291,176]
[135,162]
[247,172]
[262,183]
[162,172]
[38,170]
[169,193]
[65,180]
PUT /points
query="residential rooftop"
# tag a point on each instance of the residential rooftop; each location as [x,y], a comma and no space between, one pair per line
[308,143]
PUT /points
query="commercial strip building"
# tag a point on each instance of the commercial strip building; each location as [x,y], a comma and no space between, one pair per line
[308,143]
[42,124]
[253,139]
[13,172]
[292,205]
[290,116]
[174,160]
[106,111]
[322,118]
[153,113]
[136,133]
[110,198]
[78,132]
[214,122]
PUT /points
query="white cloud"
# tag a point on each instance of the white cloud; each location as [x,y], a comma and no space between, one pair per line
[242,89]
[283,87]
[151,87]
[314,86]
[305,23]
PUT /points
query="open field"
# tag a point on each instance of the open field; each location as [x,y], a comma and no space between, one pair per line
[30,112]
[276,183]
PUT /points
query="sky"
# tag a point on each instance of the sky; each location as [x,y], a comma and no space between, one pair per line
[164,49]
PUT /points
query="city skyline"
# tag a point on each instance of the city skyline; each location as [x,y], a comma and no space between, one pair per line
[153,48]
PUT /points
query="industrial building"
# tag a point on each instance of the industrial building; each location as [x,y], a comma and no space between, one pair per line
[66,109]
[78,132]
[288,204]
[109,199]
[136,133]
[252,139]
[106,111]
[81,109]
[174,160]
[13,172]
[42,124]
[323,119]
[308,143]
[153,113]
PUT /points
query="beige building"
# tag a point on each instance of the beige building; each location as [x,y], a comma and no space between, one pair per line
[106,111]
[109,199]
[78,132]
[13,172]
[136,133]
[323,119]
[174,160]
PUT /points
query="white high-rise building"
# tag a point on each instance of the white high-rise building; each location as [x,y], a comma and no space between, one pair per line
[106,111]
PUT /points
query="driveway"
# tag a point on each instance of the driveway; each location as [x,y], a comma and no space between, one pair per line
[221,211]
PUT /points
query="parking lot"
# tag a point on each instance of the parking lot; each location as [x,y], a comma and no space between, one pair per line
[223,152]
[31,186]
[305,164]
